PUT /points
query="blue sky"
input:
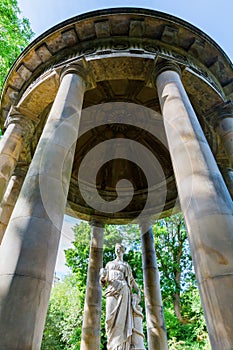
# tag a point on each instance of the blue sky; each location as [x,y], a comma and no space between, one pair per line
[214,17]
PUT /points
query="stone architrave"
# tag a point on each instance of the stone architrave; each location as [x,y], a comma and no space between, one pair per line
[93,299]
[18,130]
[156,330]
[10,197]
[205,202]
[30,244]
[221,118]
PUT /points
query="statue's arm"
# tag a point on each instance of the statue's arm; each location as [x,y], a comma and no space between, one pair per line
[103,276]
[133,283]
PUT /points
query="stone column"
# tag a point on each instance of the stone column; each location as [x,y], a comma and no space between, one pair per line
[227,174]
[93,300]
[30,244]
[221,118]
[19,129]
[156,331]
[10,197]
[205,202]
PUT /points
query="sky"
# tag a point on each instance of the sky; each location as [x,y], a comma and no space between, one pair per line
[214,17]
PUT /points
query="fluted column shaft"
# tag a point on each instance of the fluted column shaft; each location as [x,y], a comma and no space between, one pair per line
[30,244]
[156,331]
[93,300]
[11,143]
[206,205]
[10,197]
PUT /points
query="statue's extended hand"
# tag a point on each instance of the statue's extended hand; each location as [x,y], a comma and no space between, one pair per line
[102,275]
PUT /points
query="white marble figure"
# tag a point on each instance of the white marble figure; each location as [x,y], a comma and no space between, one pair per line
[120,307]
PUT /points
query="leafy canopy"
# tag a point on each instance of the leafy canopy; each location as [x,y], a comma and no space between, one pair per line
[15,34]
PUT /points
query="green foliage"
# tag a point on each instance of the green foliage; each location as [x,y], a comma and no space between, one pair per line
[173,254]
[64,317]
[15,34]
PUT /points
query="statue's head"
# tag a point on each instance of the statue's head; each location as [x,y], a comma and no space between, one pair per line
[119,248]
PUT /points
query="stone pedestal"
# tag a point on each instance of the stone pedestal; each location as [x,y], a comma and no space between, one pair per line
[30,244]
[93,300]
[156,332]
[206,205]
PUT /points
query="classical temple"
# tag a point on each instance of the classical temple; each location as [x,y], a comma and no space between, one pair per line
[115,116]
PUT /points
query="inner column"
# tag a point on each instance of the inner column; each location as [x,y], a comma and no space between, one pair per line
[10,197]
[205,202]
[221,118]
[19,130]
[156,331]
[93,299]
[30,243]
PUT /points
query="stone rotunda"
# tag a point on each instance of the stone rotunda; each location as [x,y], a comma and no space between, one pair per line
[115,116]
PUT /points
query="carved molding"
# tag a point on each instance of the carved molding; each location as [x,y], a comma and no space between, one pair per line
[26,126]
[82,68]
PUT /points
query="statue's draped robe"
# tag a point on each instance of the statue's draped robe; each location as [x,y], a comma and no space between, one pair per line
[119,319]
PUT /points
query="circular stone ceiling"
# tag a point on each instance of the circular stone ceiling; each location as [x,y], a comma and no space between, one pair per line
[122,167]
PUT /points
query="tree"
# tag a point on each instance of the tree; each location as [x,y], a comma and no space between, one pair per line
[174,259]
[184,317]
[64,317]
[15,34]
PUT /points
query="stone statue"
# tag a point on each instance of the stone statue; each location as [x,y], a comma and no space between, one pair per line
[123,313]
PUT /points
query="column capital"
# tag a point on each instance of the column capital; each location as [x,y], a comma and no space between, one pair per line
[97,223]
[219,112]
[145,224]
[165,65]
[26,125]
[81,68]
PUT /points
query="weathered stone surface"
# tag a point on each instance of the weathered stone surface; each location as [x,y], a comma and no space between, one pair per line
[92,309]
[156,329]
[24,72]
[102,29]
[206,204]
[43,52]
[69,37]
[31,60]
[10,147]
[39,294]
[32,237]
[9,199]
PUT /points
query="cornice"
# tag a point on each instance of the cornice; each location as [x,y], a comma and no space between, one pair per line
[131,31]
